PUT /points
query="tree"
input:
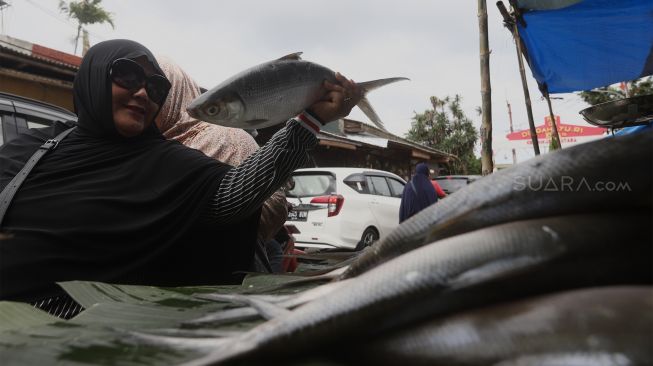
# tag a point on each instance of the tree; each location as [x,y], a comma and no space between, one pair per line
[446,128]
[643,86]
[85,12]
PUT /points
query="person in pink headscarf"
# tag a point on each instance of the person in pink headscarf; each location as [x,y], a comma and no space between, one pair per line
[228,145]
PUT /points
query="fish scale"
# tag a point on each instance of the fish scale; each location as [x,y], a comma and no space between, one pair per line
[271,93]
[273,98]
[613,322]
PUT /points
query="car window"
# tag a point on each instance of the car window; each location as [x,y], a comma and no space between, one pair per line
[358,183]
[17,115]
[397,187]
[11,126]
[307,185]
[379,186]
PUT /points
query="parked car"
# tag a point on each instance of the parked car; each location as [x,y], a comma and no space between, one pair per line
[452,183]
[18,114]
[346,208]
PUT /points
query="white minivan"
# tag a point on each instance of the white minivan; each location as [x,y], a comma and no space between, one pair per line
[347,208]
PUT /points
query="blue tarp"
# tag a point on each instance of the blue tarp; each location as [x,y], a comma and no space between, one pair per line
[635,129]
[590,44]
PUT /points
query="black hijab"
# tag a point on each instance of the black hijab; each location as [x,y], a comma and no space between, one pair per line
[108,208]
[418,193]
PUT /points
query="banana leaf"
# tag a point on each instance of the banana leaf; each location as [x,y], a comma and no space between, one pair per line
[121,325]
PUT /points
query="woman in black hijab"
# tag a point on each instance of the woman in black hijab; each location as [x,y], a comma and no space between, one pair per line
[418,193]
[116,202]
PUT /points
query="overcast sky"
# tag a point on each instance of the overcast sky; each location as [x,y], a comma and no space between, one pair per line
[435,43]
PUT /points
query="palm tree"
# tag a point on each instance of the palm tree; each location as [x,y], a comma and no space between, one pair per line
[86,12]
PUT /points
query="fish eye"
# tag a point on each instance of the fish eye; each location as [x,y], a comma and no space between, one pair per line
[212,110]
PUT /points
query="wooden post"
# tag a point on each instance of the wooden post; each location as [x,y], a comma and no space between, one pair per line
[511,23]
[487,165]
[555,137]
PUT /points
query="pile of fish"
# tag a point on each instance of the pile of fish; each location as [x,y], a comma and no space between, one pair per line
[546,263]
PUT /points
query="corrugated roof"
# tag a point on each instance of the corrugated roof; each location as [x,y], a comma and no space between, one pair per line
[38,52]
[374,131]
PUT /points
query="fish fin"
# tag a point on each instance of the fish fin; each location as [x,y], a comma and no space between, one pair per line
[266,309]
[256,121]
[368,86]
[292,56]
[366,107]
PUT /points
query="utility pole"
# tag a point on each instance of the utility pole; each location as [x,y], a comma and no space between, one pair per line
[487,165]
[514,155]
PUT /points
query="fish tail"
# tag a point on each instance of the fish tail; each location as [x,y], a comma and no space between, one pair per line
[366,107]
[368,86]
[364,104]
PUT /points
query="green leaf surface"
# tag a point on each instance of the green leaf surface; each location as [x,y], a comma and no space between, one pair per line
[16,315]
[90,293]
[110,330]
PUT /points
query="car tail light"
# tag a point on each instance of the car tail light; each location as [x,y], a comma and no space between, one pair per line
[334,203]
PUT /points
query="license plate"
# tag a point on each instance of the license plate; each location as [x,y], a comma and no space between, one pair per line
[297,215]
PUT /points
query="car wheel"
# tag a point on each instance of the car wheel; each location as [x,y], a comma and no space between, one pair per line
[370,235]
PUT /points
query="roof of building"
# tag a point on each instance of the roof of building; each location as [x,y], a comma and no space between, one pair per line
[38,52]
[359,132]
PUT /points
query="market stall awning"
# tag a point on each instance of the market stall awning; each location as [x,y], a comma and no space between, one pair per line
[576,45]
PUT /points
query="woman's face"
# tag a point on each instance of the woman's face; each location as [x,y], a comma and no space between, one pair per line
[133,111]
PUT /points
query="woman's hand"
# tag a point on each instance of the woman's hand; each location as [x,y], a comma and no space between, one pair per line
[338,100]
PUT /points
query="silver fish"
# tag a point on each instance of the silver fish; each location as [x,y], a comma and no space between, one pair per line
[560,182]
[271,93]
[595,326]
[266,306]
[479,268]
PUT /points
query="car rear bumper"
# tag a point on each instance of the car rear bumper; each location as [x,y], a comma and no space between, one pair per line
[323,241]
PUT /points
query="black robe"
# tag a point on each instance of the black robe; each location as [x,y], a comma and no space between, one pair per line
[107,208]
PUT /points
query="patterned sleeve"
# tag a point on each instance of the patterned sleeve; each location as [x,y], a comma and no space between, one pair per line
[244,188]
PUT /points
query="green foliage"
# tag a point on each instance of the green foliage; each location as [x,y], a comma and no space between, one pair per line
[474,165]
[447,128]
[643,86]
[85,12]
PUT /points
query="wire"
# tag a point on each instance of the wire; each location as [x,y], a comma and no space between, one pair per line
[57,17]
[50,13]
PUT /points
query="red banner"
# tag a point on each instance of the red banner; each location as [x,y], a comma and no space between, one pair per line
[564,130]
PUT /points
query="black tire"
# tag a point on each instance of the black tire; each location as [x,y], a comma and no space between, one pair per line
[370,235]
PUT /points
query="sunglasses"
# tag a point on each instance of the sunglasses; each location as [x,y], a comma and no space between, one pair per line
[130,75]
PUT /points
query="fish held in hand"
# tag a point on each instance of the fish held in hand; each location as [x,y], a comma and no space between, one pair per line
[273,92]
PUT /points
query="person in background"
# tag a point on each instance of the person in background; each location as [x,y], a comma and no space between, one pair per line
[418,193]
[116,202]
[228,145]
